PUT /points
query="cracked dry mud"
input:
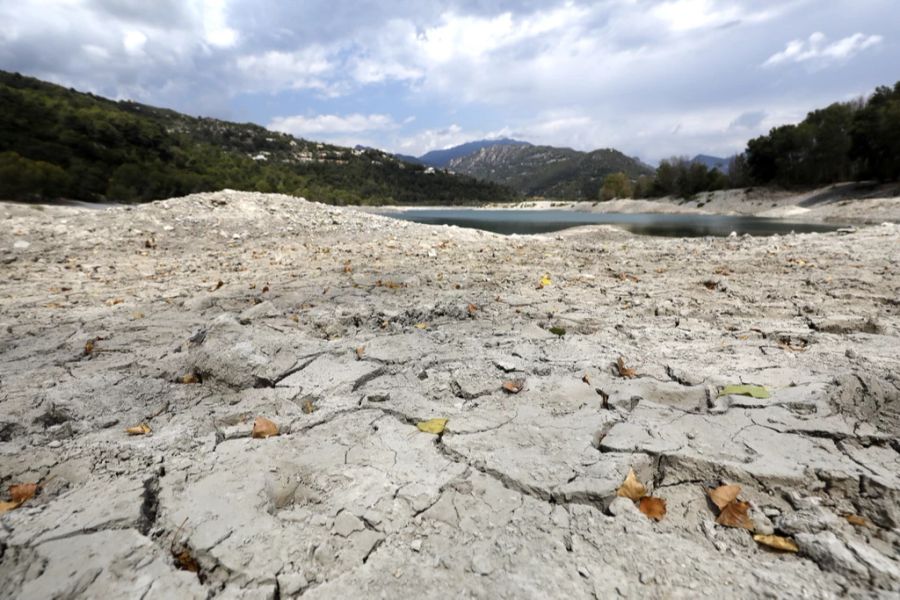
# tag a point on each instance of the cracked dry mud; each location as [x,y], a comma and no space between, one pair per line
[517,499]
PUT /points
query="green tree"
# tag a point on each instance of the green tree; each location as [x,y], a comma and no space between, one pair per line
[615,185]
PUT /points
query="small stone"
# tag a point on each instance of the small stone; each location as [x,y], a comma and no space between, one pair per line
[54,444]
[21,244]
[416,545]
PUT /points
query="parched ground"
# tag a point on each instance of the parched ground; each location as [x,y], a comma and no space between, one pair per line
[196,315]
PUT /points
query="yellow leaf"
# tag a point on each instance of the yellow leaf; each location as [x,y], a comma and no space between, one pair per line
[776,542]
[544,281]
[632,488]
[654,508]
[21,492]
[189,378]
[421,325]
[435,426]
[724,495]
[263,428]
[735,515]
[141,429]
[8,506]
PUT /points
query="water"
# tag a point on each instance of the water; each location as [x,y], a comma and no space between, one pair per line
[545,221]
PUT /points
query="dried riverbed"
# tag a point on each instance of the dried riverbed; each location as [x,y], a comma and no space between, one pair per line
[196,315]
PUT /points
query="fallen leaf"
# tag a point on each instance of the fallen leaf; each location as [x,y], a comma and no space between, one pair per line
[857,520]
[185,561]
[8,506]
[421,325]
[632,488]
[544,282]
[624,371]
[755,391]
[655,508]
[776,542]
[513,386]
[710,285]
[348,268]
[586,379]
[435,426]
[265,289]
[189,378]
[21,492]
[88,347]
[472,309]
[559,331]
[735,515]
[360,352]
[219,284]
[263,428]
[114,301]
[309,407]
[724,495]
[141,429]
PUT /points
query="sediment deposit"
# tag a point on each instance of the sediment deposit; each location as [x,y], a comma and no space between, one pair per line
[197,315]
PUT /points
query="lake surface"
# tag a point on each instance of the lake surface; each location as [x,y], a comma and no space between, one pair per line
[544,221]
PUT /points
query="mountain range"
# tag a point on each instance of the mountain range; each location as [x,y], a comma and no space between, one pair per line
[547,171]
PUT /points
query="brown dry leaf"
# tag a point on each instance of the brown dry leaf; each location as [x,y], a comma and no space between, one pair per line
[360,352]
[776,542]
[624,371]
[513,386]
[472,309]
[21,492]
[185,561]
[142,429]
[586,379]
[735,515]
[189,378]
[309,407]
[8,506]
[218,285]
[724,495]
[857,520]
[710,285]
[88,347]
[654,508]
[263,428]
[348,268]
[114,301]
[632,488]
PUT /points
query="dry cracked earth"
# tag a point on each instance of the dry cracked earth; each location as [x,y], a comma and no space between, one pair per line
[347,329]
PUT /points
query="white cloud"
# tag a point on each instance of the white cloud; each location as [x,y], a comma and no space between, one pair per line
[215,26]
[275,70]
[134,42]
[816,49]
[327,126]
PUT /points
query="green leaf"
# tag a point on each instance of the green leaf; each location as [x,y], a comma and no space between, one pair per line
[560,331]
[755,391]
[435,426]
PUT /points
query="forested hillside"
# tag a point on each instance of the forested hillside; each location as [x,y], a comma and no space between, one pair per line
[60,143]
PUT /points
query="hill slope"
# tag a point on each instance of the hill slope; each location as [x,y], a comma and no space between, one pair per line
[548,171]
[57,142]
[442,158]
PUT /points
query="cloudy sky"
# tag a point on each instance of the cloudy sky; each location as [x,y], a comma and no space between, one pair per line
[652,78]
